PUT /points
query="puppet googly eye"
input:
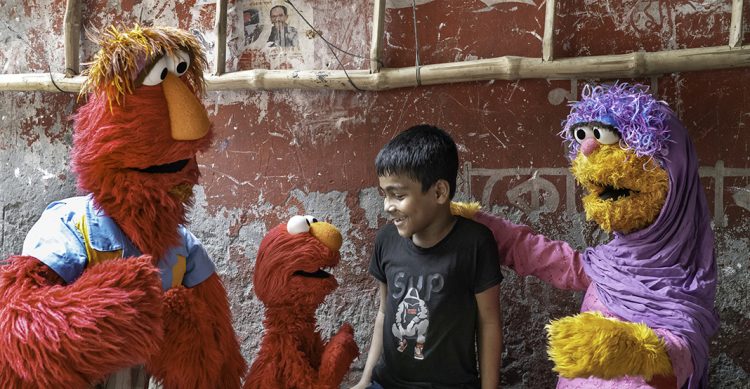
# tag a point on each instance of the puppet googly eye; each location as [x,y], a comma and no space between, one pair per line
[158,73]
[179,63]
[297,225]
[606,136]
[310,219]
[581,133]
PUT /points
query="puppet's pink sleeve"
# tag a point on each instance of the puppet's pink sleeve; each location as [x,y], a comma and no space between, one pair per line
[679,353]
[528,253]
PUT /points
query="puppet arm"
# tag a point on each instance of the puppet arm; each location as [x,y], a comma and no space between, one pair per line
[199,348]
[681,358]
[280,364]
[70,336]
[528,253]
[338,355]
[589,344]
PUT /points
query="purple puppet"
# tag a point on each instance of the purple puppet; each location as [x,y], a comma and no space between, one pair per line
[648,312]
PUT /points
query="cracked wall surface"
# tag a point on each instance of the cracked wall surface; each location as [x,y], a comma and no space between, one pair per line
[286,152]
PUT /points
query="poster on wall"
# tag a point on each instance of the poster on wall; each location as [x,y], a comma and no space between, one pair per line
[274,35]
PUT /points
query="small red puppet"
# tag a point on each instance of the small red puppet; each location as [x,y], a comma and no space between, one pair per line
[291,282]
[111,289]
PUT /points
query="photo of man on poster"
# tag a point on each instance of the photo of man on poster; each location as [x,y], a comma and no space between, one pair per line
[282,34]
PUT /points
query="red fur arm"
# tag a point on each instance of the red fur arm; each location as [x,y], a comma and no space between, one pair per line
[338,355]
[200,349]
[56,335]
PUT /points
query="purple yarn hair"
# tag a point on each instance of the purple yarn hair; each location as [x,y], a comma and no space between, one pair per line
[640,118]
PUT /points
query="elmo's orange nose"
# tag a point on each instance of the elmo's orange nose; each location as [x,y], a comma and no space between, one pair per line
[327,234]
[188,117]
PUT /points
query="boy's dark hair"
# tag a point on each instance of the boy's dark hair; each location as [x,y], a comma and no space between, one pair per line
[425,153]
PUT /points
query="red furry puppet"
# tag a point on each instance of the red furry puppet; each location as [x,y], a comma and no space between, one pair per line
[111,288]
[290,281]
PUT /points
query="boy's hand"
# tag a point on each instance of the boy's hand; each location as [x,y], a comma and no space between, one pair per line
[589,344]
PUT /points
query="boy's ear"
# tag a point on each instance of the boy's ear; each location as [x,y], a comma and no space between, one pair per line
[442,191]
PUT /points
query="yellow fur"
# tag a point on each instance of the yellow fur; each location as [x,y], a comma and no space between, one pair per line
[466,210]
[611,165]
[590,344]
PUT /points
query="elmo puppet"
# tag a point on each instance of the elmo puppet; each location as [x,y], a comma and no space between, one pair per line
[648,311]
[111,288]
[291,282]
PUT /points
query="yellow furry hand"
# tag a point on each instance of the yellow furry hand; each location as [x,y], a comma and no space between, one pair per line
[589,344]
[466,210]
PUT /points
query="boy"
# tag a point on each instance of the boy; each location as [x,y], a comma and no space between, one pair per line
[439,275]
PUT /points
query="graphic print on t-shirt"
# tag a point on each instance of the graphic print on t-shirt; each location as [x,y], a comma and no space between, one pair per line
[412,320]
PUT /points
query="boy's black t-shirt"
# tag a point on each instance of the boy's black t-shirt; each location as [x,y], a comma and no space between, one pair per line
[430,324]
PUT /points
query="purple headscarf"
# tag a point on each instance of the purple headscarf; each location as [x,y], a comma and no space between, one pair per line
[665,274]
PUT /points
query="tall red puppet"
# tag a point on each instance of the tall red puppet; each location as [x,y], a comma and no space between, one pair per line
[111,288]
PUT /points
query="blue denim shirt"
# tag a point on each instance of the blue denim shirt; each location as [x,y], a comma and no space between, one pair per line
[73,234]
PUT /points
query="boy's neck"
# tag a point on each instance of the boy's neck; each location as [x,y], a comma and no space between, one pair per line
[436,231]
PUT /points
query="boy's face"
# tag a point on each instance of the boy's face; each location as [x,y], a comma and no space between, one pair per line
[411,210]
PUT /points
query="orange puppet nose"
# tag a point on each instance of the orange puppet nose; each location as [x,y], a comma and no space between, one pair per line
[326,234]
[187,115]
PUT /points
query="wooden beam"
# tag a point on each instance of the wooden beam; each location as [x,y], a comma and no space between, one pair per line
[32,82]
[221,37]
[549,32]
[735,28]
[72,31]
[633,65]
[376,47]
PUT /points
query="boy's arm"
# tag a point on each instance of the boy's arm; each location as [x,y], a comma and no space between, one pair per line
[376,345]
[528,253]
[490,336]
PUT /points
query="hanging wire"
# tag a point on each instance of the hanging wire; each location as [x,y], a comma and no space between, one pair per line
[333,47]
[417,66]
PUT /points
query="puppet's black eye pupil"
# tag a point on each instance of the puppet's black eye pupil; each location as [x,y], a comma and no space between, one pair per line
[315,220]
[182,67]
[597,133]
[580,134]
[164,73]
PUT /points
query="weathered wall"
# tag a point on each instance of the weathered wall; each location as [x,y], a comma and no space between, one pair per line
[279,153]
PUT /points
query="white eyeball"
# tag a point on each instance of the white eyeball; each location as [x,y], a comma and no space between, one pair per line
[297,225]
[158,73]
[179,63]
[580,133]
[605,136]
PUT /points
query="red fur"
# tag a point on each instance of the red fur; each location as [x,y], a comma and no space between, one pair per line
[70,336]
[293,354]
[108,144]
[199,349]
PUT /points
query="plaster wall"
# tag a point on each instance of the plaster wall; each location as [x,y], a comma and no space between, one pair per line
[286,152]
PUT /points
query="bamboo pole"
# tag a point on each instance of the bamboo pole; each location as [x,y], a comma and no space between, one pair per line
[72,31]
[735,28]
[633,65]
[221,37]
[378,21]
[32,82]
[549,31]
